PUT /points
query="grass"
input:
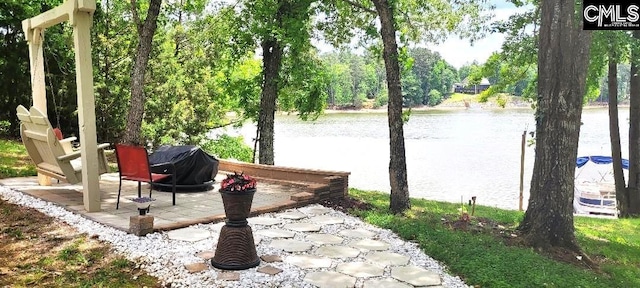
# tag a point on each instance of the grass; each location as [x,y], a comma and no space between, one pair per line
[460,97]
[484,257]
[14,161]
[499,100]
[38,251]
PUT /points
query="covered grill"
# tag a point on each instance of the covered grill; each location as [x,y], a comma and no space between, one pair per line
[195,168]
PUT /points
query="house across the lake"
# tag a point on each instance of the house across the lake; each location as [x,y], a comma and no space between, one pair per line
[467,88]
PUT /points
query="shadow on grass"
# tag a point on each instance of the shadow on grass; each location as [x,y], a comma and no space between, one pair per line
[485,259]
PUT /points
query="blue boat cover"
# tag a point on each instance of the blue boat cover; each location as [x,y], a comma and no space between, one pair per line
[600,160]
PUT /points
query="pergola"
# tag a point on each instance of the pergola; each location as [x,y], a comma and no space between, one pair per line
[79,13]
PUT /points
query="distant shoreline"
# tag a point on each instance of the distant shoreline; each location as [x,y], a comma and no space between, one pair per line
[383,110]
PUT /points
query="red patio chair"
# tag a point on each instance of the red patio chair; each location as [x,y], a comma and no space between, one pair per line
[133,165]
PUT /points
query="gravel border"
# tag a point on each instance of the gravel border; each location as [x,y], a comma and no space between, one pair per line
[165,258]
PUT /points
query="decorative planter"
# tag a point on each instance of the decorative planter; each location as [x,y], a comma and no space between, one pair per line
[237,205]
[236,248]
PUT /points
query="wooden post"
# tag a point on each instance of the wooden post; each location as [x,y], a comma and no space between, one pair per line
[81,22]
[522,150]
[473,207]
[35,40]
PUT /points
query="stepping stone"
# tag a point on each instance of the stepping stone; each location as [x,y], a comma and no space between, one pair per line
[267,221]
[290,245]
[228,276]
[271,258]
[269,270]
[385,283]
[276,233]
[416,276]
[337,252]
[387,258]
[360,269]
[322,239]
[357,233]
[308,261]
[330,279]
[218,226]
[189,234]
[303,227]
[206,255]
[294,215]
[315,210]
[324,219]
[196,267]
[369,244]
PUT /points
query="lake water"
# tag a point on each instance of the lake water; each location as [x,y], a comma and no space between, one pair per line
[451,155]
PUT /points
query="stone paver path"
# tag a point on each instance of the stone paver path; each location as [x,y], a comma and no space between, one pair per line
[329,258]
[189,234]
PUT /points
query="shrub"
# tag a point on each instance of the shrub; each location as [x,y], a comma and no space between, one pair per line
[501,100]
[4,128]
[229,147]
[435,97]
[381,100]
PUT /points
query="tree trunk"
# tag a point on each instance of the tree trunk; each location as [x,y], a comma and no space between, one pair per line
[634,131]
[398,161]
[272,60]
[614,135]
[563,57]
[136,108]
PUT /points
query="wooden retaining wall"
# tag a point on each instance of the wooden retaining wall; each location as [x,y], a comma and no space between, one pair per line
[316,185]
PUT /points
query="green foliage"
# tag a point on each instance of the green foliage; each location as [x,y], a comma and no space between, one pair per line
[5,127]
[412,93]
[192,94]
[442,77]
[486,260]
[14,161]
[307,95]
[501,100]
[351,77]
[228,147]
[514,68]
[435,97]
[15,83]
[381,101]
[113,46]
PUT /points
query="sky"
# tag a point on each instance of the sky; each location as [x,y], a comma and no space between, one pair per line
[459,52]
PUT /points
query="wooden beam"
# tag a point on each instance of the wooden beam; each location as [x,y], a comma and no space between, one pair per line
[54,16]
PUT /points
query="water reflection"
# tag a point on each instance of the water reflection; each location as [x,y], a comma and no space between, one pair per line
[451,155]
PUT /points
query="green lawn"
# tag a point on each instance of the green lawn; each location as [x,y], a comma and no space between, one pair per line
[14,161]
[485,260]
[36,251]
[460,97]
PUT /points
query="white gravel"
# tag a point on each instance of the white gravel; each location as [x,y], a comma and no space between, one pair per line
[165,258]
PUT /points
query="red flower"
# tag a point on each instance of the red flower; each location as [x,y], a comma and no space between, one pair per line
[237,183]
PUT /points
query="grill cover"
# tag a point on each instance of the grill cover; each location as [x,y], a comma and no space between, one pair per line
[195,167]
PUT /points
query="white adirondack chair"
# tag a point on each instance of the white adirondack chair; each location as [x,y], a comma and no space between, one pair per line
[49,153]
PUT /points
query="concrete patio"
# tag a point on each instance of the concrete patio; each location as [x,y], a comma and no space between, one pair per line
[191,208]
